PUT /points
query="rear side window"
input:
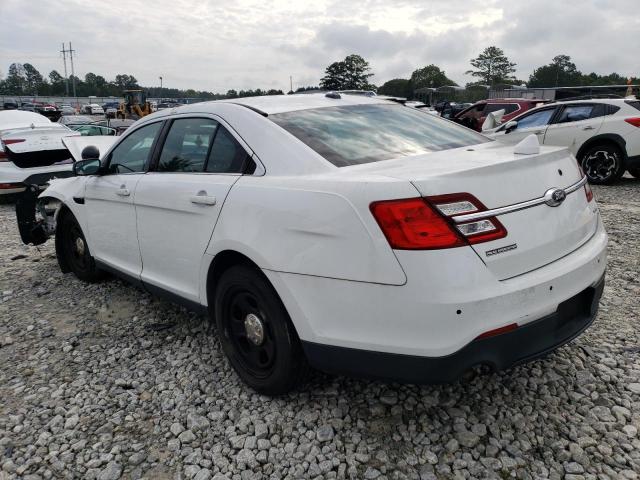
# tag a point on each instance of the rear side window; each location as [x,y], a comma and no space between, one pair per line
[356,134]
[187,145]
[575,113]
[227,155]
[633,103]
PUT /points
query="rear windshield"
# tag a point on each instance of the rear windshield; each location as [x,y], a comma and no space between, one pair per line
[356,134]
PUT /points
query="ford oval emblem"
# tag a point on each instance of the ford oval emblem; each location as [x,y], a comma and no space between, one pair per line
[554,197]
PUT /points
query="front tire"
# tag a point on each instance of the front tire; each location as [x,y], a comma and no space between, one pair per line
[75,250]
[603,164]
[256,333]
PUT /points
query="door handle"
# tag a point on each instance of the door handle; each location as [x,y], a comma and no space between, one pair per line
[588,127]
[201,198]
[123,192]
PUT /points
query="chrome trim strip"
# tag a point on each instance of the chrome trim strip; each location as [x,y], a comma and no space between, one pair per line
[470,217]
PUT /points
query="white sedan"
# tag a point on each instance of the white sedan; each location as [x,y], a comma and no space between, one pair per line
[31,147]
[348,233]
[603,134]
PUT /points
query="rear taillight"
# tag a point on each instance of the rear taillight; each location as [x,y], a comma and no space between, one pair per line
[478,231]
[635,121]
[588,192]
[428,224]
[587,188]
[411,224]
[3,155]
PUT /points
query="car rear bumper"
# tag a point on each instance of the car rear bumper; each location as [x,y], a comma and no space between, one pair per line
[525,343]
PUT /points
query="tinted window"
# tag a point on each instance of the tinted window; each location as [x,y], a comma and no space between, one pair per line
[575,113]
[132,154]
[356,134]
[536,119]
[187,145]
[227,155]
[611,109]
[632,103]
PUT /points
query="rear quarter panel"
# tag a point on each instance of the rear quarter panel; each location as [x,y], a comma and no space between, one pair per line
[311,226]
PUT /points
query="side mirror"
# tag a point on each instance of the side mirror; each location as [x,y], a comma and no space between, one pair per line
[510,126]
[87,167]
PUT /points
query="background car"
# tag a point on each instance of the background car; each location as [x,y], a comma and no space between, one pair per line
[110,109]
[120,125]
[346,232]
[30,144]
[603,134]
[74,119]
[27,107]
[66,109]
[89,130]
[474,116]
[10,105]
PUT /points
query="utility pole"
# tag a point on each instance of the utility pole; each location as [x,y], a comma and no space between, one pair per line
[73,75]
[66,79]
[291,83]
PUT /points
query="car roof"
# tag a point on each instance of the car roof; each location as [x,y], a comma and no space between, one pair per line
[272,104]
[514,100]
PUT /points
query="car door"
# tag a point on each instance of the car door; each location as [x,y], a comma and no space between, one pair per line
[535,122]
[179,201]
[109,201]
[574,125]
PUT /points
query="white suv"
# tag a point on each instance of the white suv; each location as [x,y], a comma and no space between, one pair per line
[603,134]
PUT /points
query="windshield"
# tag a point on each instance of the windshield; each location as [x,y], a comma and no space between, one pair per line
[356,134]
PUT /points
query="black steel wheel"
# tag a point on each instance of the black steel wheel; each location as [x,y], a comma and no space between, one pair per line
[256,333]
[76,250]
[603,164]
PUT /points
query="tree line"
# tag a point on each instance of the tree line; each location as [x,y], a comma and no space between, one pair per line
[490,68]
[26,80]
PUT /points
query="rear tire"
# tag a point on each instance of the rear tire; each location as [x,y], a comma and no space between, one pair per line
[76,250]
[603,164]
[256,333]
[635,172]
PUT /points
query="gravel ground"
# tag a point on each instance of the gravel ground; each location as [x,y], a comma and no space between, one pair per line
[105,382]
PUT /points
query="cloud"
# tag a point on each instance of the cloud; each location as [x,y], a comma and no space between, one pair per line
[209,45]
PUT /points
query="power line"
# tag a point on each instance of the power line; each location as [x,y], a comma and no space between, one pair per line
[66,78]
[73,75]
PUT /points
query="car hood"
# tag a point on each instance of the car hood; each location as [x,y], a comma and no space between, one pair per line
[76,144]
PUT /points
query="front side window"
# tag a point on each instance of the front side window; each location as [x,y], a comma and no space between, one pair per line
[356,134]
[536,119]
[132,154]
[187,145]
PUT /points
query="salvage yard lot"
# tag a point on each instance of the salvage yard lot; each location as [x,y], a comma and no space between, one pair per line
[104,381]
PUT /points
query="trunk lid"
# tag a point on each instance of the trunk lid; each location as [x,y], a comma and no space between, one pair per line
[497,177]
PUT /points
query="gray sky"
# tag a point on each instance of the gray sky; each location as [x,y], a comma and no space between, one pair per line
[213,45]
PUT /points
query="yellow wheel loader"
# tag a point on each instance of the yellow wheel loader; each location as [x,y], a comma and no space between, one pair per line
[135,105]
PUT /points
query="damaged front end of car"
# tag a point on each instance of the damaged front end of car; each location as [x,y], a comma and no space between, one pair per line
[36,215]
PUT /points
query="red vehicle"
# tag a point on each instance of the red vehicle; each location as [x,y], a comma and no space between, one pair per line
[474,116]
